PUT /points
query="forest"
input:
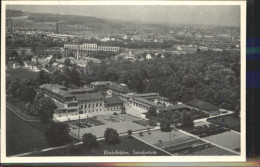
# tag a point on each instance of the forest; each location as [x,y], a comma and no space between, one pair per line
[210,76]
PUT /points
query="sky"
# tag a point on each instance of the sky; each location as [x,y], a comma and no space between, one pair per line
[208,15]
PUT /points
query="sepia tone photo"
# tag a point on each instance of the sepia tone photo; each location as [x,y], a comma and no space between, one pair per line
[123,79]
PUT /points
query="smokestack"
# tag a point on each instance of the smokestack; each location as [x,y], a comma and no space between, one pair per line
[11,26]
[57,28]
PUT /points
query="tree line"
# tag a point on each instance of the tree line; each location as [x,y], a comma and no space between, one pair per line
[209,76]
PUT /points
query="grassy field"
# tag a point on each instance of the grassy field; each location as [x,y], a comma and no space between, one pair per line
[228,121]
[20,73]
[230,140]
[127,145]
[22,136]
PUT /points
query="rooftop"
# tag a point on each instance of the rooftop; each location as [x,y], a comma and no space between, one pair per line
[80,90]
[89,96]
[113,100]
[119,88]
[55,88]
[101,83]
[176,107]
[146,102]
[202,105]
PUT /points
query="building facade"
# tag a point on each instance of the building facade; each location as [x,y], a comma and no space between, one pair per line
[88,48]
[83,102]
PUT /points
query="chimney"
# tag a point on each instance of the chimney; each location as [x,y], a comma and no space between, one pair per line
[11,26]
[57,28]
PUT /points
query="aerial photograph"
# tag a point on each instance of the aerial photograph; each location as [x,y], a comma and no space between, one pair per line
[122,80]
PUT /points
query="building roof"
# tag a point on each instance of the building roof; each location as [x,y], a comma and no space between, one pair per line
[61,66]
[176,107]
[119,88]
[145,95]
[54,64]
[55,88]
[101,83]
[80,90]
[146,102]
[89,96]
[113,100]
[202,105]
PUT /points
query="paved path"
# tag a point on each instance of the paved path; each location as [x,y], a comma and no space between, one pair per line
[205,119]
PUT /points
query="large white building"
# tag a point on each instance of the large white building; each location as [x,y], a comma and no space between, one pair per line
[88,48]
[87,102]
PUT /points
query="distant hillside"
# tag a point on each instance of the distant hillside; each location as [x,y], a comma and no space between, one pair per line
[76,22]
[13,13]
[68,19]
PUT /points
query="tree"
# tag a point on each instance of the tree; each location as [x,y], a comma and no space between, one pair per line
[42,78]
[89,140]
[187,120]
[67,62]
[46,107]
[58,133]
[111,136]
[38,97]
[28,94]
[152,111]
[123,110]
[165,126]
[129,132]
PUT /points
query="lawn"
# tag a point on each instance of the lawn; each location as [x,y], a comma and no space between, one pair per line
[126,147]
[23,137]
[20,73]
[228,121]
[230,140]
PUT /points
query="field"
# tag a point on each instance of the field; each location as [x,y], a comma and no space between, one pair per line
[230,140]
[20,73]
[228,121]
[126,147]
[23,137]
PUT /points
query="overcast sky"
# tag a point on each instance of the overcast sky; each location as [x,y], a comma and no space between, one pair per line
[214,15]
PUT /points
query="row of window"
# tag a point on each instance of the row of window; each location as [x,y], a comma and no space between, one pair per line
[112,109]
[91,105]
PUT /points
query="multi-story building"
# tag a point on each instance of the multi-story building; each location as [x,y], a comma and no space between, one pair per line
[87,102]
[88,48]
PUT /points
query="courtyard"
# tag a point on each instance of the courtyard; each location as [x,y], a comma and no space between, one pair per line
[97,125]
